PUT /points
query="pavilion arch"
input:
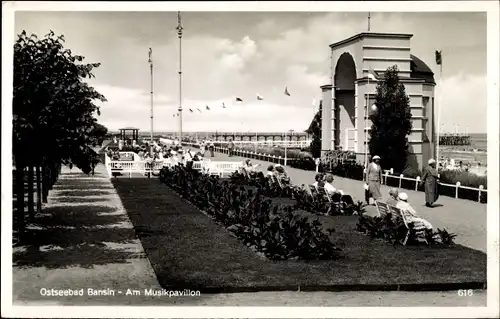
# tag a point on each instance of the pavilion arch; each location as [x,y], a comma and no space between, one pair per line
[345,102]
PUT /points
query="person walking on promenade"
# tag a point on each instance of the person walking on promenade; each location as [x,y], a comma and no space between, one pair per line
[374,178]
[231,147]
[430,179]
[211,147]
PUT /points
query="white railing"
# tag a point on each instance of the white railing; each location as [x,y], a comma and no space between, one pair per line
[389,174]
[129,167]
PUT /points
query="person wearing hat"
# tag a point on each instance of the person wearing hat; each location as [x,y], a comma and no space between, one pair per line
[374,178]
[411,214]
[230,147]
[270,170]
[393,197]
[430,179]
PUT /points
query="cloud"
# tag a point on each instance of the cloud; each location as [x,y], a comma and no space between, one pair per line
[264,54]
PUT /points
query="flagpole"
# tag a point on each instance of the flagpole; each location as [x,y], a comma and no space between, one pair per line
[179,34]
[151,73]
[369,21]
[364,127]
[439,111]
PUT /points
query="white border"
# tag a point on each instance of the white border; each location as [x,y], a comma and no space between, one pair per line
[491,7]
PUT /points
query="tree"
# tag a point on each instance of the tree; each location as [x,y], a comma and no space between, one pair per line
[391,122]
[53,110]
[315,130]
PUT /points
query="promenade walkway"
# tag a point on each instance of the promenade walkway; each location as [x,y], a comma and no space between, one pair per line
[83,239]
[465,218]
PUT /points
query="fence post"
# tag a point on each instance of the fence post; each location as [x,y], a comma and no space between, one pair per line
[456,190]
[279,159]
[400,179]
[481,187]
[417,180]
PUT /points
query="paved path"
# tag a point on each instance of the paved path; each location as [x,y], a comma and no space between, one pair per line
[465,218]
[84,239]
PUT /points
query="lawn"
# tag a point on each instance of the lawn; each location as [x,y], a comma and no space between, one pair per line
[188,250]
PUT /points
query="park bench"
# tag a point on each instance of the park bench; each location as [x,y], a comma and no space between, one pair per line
[418,227]
[382,208]
[223,168]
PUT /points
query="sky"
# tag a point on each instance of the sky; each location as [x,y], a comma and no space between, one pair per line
[241,54]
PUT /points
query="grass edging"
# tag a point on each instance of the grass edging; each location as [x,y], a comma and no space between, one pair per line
[219,265]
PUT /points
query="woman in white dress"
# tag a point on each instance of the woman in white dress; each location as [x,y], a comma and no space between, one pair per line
[374,178]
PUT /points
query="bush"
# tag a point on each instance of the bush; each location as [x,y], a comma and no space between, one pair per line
[271,230]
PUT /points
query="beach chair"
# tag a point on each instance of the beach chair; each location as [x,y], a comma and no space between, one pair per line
[382,208]
[418,227]
[309,200]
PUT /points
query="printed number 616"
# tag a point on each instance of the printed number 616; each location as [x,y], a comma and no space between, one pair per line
[465,292]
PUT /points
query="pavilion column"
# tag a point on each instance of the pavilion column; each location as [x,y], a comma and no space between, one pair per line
[356,117]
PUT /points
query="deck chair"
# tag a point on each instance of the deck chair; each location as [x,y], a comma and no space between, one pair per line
[418,227]
[382,208]
[310,194]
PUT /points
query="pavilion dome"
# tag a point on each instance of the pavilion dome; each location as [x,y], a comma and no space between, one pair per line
[420,70]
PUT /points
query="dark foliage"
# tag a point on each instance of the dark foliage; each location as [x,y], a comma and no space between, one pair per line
[391,122]
[315,131]
[272,230]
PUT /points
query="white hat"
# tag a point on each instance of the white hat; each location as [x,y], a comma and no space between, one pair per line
[375,157]
[403,196]
[432,161]
[277,165]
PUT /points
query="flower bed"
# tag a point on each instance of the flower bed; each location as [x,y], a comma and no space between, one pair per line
[273,231]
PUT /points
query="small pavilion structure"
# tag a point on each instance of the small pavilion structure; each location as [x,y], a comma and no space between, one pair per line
[345,122]
[129,133]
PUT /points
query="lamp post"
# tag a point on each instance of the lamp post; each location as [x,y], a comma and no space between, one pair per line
[151,70]
[179,34]
[286,149]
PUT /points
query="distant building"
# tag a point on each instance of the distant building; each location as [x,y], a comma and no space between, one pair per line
[344,100]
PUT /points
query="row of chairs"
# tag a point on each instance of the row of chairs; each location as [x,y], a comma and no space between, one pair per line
[420,232]
[321,192]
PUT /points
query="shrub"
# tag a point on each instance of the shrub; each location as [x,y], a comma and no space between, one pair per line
[271,230]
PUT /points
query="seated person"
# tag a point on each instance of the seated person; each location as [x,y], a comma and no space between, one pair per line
[329,185]
[410,212]
[393,197]
[270,171]
[282,175]
[319,180]
[248,165]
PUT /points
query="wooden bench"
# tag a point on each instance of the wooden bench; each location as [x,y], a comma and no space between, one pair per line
[382,208]
[222,168]
[418,227]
